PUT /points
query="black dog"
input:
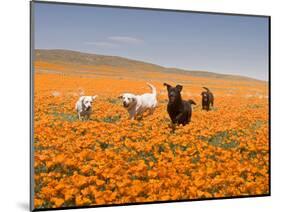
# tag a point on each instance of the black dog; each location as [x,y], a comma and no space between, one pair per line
[179,110]
[207,99]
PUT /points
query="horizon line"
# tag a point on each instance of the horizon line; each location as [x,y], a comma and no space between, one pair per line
[167,67]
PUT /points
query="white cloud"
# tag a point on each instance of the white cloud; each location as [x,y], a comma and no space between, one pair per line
[115,41]
[125,39]
[102,44]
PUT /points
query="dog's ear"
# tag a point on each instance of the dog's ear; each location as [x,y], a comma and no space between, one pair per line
[167,85]
[179,87]
[204,93]
[82,98]
[134,98]
[94,97]
[120,97]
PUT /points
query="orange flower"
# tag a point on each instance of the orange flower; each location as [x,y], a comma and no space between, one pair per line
[57,201]
[99,182]
[111,160]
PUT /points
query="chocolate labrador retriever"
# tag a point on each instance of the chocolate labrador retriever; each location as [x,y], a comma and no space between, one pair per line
[207,99]
[180,111]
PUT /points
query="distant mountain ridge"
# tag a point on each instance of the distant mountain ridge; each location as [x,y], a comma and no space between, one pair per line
[80,58]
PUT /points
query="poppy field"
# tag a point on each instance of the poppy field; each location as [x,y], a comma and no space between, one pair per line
[110,159]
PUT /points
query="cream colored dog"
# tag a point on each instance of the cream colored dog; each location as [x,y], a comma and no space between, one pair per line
[84,106]
[138,104]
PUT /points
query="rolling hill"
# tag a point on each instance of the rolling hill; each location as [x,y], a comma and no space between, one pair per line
[60,56]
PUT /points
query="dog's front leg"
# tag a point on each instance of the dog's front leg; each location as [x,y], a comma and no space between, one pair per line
[132,115]
[79,116]
[172,125]
[177,118]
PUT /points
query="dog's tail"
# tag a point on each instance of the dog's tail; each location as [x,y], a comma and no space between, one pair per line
[191,102]
[153,89]
[207,89]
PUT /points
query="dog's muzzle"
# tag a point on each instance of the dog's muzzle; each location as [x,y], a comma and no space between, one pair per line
[172,98]
[125,104]
[88,108]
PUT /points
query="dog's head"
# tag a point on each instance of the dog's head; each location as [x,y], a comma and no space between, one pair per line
[87,101]
[205,96]
[128,99]
[174,93]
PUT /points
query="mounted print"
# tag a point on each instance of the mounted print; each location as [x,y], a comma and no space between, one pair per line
[138,105]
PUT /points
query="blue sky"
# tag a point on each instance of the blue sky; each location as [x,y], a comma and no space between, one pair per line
[194,41]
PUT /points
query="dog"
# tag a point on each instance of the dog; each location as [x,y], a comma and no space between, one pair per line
[180,111]
[83,106]
[136,105]
[207,99]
